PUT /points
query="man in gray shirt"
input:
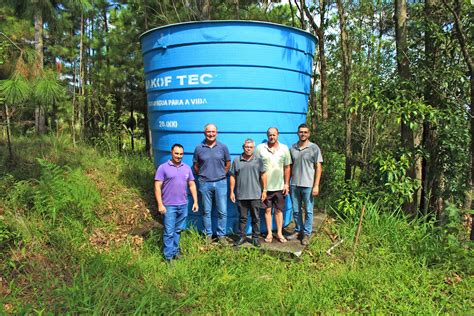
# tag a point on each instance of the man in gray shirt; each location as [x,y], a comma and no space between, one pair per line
[248,178]
[305,175]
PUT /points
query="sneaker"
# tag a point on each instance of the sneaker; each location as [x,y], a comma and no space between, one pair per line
[256,242]
[208,240]
[177,256]
[305,240]
[293,236]
[240,241]
[223,241]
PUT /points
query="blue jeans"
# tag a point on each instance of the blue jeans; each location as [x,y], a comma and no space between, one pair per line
[214,190]
[300,196]
[173,221]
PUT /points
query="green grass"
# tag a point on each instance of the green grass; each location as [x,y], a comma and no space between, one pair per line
[52,209]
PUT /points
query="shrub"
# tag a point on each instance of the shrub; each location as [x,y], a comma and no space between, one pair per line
[61,191]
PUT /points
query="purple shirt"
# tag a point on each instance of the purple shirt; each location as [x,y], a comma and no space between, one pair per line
[174,190]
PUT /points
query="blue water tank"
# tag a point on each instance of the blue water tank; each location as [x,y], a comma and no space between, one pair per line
[242,76]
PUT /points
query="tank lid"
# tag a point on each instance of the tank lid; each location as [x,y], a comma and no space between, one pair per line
[243,22]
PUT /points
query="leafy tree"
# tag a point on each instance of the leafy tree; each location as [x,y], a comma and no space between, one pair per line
[15,91]
[40,11]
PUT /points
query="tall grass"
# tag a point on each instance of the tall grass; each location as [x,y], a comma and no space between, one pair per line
[49,265]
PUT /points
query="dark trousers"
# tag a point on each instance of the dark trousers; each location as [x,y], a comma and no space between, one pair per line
[254,207]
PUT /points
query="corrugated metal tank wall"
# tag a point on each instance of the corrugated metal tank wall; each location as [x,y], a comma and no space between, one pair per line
[242,76]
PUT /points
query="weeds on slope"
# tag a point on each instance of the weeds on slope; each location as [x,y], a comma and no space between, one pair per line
[62,208]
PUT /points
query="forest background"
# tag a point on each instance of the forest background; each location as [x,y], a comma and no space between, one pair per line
[391,109]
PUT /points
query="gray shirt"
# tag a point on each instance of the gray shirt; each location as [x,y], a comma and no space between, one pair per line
[247,177]
[304,159]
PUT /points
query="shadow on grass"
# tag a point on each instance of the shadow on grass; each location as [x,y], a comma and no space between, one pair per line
[138,173]
[26,151]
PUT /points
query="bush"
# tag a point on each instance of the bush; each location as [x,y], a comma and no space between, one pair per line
[63,192]
[7,234]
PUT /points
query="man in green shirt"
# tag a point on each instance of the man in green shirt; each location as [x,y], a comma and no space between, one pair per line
[276,160]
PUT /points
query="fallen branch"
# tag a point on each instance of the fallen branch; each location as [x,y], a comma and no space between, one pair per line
[359,228]
[334,246]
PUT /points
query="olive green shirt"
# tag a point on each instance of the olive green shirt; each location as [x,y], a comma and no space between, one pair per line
[274,163]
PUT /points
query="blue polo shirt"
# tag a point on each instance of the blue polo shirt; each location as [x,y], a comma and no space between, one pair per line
[211,161]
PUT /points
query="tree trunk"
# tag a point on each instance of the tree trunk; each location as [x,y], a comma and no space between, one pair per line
[146,127]
[312,102]
[205,9]
[346,84]
[54,126]
[292,14]
[380,36]
[132,128]
[90,87]
[145,15]
[237,9]
[322,61]
[82,80]
[471,112]
[431,198]
[107,57]
[319,30]
[302,15]
[40,119]
[9,142]
[409,139]
[73,116]
[468,59]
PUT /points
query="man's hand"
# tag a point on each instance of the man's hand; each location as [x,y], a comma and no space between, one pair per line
[286,190]
[315,190]
[232,197]
[195,207]
[162,209]
[264,195]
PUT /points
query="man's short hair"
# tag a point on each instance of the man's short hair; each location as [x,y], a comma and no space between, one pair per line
[249,140]
[209,124]
[274,129]
[303,126]
[177,145]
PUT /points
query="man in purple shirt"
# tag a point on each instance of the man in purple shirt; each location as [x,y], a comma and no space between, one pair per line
[171,181]
[212,162]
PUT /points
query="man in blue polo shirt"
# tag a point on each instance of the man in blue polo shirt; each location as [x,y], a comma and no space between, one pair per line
[171,181]
[211,163]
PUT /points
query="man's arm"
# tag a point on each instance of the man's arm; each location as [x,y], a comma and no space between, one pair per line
[318,169]
[227,159]
[192,188]
[159,200]
[195,160]
[232,187]
[263,182]
[286,177]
